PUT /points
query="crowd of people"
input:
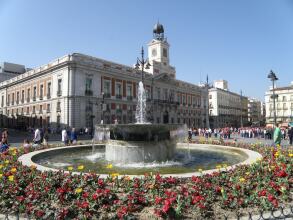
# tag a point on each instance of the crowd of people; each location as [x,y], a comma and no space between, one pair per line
[284,133]
[40,137]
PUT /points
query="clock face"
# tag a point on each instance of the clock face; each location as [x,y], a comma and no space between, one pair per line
[154,52]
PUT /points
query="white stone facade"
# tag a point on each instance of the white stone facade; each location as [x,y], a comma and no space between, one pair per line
[284,105]
[79,90]
[225,107]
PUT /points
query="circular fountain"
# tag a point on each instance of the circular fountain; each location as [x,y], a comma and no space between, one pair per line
[135,143]
[135,149]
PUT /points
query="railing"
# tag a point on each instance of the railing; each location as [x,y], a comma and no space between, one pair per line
[107,95]
[59,93]
[48,96]
[118,96]
[58,109]
[129,98]
[88,92]
[34,98]
[280,213]
[41,97]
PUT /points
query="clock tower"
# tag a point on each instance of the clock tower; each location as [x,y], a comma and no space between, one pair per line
[158,52]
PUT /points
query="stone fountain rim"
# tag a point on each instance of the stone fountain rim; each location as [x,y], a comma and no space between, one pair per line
[253,156]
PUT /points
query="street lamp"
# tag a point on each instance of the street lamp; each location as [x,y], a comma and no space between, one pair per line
[241,110]
[143,64]
[272,76]
[102,108]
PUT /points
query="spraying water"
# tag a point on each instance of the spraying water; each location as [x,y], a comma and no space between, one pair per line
[140,114]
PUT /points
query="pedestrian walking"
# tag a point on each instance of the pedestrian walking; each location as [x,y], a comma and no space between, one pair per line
[277,135]
[4,136]
[37,137]
[290,135]
[73,136]
[64,136]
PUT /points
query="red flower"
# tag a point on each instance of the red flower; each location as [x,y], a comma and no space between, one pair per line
[85,195]
[158,200]
[218,189]
[40,213]
[275,203]
[271,197]
[262,193]
[197,199]
[95,196]
[20,198]
[84,205]
[282,173]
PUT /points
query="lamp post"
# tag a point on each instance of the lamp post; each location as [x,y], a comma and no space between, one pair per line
[143,64]
[102,108]
[241,110]
[272,76]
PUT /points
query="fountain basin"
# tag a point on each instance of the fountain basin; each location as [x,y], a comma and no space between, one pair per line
[35,158]
[138,151]
[133,143]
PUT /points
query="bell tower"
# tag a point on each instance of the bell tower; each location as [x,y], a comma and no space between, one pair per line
[158,48]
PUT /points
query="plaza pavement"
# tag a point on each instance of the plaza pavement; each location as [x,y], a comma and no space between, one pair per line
[239,139]
[16,139]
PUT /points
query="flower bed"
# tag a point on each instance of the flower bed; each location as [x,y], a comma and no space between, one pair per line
[265,185]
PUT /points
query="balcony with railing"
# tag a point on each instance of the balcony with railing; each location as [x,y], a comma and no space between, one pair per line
[41,97]
[107,95]
[34,98]
[118,96]
[59,93]
[88,92]
[119,110]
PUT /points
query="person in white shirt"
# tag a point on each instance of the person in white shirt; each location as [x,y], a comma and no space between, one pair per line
[37,137]
[64,136]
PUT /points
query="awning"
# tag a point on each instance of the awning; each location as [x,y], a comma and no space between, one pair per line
[284,124]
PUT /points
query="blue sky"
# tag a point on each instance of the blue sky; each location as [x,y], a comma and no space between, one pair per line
[239,41]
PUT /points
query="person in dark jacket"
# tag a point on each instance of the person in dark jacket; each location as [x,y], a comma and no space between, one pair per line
[73,136]
[290,135]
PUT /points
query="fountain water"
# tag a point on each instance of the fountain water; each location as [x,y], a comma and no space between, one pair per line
[142,141]
[141,105]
